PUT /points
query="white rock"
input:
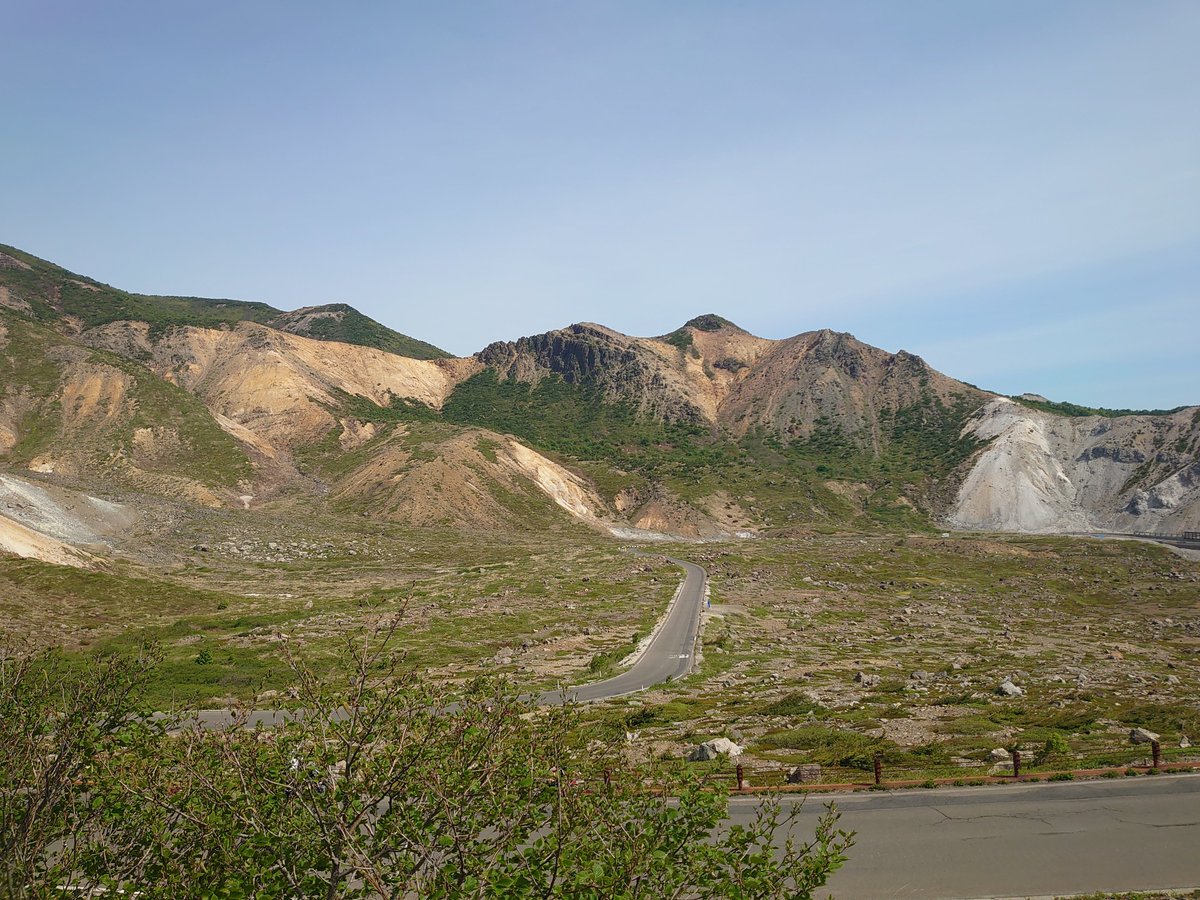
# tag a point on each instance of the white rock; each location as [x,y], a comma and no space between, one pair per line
[998,755]
[1008,689]
[714,749]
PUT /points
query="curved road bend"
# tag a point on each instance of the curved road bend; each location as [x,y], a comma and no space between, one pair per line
[668,655]
[1016,840]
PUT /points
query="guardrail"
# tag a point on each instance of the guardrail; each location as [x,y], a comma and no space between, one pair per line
[1186,538]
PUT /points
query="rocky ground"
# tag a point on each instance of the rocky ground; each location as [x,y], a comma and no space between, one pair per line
[937,652]
[821,647]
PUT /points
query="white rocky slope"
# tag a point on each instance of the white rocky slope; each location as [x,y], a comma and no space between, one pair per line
[50,523]
[1047,473]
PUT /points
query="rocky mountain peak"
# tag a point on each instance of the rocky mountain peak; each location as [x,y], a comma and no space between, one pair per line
[712,322]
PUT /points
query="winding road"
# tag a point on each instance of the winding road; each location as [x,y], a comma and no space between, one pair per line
[669,655]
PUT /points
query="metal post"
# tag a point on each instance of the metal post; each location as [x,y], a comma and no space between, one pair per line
[1016,763]
[1156,749]
[741,777]
[878,768]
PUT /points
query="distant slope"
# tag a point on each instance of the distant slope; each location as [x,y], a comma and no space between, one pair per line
[705,431]
[84,413]
[279,391]
[340,322]
[819,427]
[1045,472]
[54,295]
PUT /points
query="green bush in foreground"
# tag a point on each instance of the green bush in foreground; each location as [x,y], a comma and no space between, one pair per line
[384,787]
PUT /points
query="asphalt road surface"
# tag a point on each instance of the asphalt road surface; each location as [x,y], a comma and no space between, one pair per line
[1026,840]
[669,654]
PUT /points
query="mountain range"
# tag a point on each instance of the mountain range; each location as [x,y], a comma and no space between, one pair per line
[702,432]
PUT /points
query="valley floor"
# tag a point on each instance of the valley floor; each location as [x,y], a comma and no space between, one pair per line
[820,647]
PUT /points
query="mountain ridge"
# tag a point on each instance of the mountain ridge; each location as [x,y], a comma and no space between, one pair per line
[706,431]
[48,291]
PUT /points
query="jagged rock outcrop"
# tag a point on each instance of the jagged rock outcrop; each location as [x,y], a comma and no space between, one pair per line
[710,371]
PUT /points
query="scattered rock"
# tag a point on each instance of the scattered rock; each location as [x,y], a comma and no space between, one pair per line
[1142,736]
[714,749]
[866,680]
[920,675]
[1008,689]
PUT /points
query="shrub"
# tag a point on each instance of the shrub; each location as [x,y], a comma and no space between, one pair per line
[387,786]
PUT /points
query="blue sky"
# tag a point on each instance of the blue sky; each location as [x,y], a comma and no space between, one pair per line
[1009,189]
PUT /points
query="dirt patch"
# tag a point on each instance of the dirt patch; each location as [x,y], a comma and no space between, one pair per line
[22,541]
[355,434]
[8,301]
[93,392]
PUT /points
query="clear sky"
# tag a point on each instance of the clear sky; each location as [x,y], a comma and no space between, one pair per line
[1010,189]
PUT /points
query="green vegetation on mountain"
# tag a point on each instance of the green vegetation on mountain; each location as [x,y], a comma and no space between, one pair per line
[1075,410]
[52,292]
[49,292]
[342,322]
[784,480]
[576,420]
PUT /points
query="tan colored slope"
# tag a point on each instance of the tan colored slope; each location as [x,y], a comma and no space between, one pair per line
[70,410]
[472,477]
[275,390]
[832,375]
[707,377]
[23,541]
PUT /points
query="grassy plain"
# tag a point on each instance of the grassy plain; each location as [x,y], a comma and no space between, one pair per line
[1100,636]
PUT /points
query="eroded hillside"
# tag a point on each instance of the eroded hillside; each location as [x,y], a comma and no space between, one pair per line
[1047,473]
[708,431]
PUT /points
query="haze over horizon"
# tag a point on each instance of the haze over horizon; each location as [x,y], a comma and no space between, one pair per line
[1010,190]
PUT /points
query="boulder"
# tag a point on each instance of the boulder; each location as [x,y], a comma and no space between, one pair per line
[1184,743]
[1008,689]
[866,680]
[1142,736]
[806,773]
[999,755]
[714,749]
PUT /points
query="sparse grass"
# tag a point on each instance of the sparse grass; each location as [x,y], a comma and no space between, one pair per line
[805,614]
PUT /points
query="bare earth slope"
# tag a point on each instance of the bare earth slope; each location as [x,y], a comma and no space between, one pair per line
[1046,473]
[283,388]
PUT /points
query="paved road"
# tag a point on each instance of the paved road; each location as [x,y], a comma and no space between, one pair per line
[1028,840]
[669,654]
